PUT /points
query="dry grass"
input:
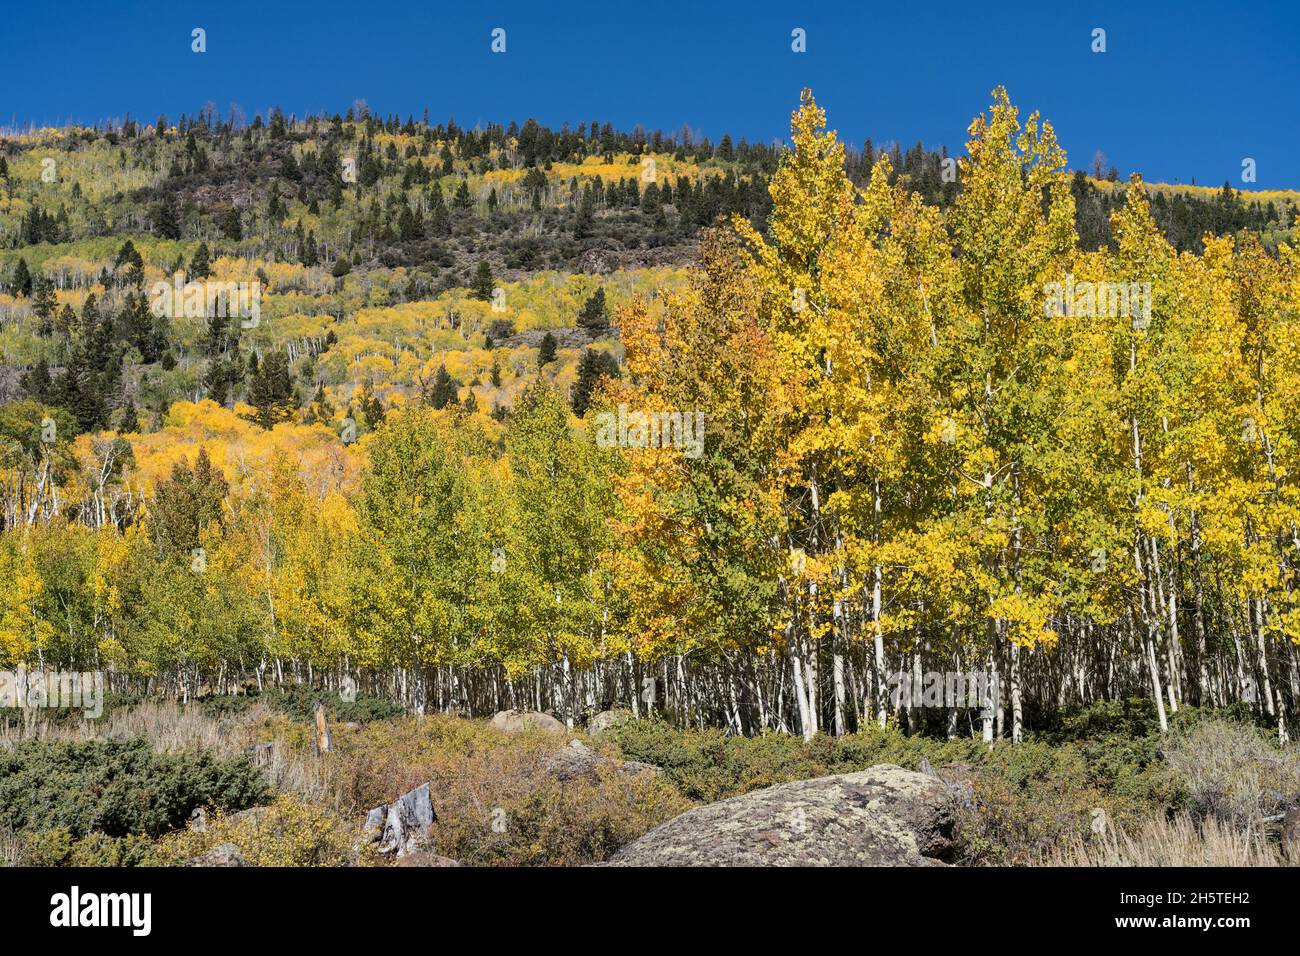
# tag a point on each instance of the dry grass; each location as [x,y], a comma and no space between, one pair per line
[167,726]
[1182,842]
[1232,772]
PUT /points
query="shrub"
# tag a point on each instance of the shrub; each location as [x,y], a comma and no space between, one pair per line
[118,787]
[1232,772]
[58,847]
[288,832]
[298,701]
[480,776]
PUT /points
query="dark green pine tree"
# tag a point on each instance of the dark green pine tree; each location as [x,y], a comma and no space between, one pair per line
[22,284]
[44,305]
[484,283]
[584,219]
[372,409]
[592,367]
[445,389]
[310,255]
[439,219]
[200,265]
[231,227]
[594,317]
[130,421]
[463,199]
[186,503]
[320,409]
[79,391]
[270,391]
[165,223]
[546,353]
[496,372]
[37,383]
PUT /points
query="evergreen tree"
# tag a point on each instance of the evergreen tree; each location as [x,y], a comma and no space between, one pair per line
[200,266]
[592,367]
[165,223]
[270,391]
[463,200]
[484,283]
[230,225]
[594,317]
[439,219]
[44,305]
[130,421]
[546,354]
[372,409]
[22,283]
[445,389]
[186,503]
[37,383]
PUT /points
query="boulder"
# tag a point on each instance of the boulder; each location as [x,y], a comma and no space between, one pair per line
[597,261]
[223,854]
[883,816]
[426,858]
[606,721]
[513,721]
[403,826]
[577,760]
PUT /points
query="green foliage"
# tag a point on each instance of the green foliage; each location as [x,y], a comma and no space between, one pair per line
[117,787]
[298,701]
[288,832]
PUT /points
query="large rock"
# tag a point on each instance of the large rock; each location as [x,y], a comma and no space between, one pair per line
[606,721]
[513,721]
[223,854]
[403,826]
[577,761]
[426,858]
[884,816]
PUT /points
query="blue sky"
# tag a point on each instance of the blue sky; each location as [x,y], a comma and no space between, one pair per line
[1184,91]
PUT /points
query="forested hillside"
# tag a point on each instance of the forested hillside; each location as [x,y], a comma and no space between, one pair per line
[433,430]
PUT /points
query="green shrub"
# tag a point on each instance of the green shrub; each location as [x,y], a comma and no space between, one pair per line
[117,787]
[288,832]
[298,701]
[58,847]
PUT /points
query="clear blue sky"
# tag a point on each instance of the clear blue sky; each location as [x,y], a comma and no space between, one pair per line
[1184,90]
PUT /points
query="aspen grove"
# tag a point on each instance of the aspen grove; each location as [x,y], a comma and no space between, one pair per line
[912,460]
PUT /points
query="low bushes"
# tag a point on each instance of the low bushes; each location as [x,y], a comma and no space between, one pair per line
[497,798]
[288,832]
[117,787]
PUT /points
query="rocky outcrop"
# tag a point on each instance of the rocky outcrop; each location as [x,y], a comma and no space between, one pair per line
[426,858]
[513,721]
[577,760]
[884,816]
[606,721]
[223,854]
